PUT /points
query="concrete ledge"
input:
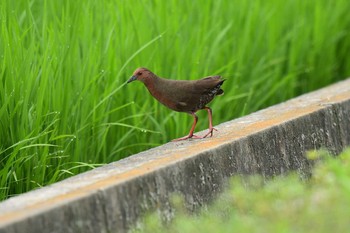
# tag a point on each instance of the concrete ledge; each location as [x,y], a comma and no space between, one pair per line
[109,199]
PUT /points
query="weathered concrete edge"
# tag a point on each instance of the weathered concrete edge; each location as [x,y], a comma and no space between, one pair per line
[271,141]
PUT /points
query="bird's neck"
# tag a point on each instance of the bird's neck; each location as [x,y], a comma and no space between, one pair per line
[151,82]
[153,85]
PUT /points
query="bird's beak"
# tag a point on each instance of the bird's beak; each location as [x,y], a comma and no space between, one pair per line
[133,78]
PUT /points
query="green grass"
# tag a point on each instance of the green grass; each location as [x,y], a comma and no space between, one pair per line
[283,204]
[64,105]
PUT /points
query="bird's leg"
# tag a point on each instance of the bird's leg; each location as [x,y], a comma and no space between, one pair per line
[190,134]
[211,128]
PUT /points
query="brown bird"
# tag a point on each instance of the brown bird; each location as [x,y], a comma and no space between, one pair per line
[182,95]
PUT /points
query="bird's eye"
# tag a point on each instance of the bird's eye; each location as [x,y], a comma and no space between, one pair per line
[139,73]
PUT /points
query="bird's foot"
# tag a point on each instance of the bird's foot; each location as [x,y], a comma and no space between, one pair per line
[210,132]
[186,137]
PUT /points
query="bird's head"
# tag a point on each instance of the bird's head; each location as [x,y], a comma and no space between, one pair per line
[141,74]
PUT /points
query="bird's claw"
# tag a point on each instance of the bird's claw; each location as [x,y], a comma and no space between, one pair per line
[210,132]
[186,137]
[195,136]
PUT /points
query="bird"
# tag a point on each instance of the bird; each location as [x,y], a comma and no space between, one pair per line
[187,96]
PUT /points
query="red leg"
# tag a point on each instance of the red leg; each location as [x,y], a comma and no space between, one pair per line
[190,134]
[211,128]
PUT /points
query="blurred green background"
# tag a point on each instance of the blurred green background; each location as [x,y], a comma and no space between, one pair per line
[64,105]
[282,204]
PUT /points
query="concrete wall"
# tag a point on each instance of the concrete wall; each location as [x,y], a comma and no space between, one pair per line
[109,199]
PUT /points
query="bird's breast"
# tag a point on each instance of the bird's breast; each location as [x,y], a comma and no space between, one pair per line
[163,97]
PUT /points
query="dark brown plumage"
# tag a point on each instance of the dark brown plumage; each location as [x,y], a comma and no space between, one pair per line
[182,95]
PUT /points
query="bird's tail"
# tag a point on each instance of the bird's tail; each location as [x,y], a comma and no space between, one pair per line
[220,92]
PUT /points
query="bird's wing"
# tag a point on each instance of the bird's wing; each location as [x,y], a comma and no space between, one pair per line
[184,95]
[207,84]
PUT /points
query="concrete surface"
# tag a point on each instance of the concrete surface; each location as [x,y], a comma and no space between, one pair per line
[111,198]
